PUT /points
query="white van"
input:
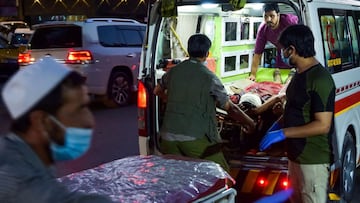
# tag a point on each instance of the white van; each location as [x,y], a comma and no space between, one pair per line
[336,27]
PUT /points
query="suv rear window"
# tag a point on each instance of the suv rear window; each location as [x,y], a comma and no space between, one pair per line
[120,36]
[56,37]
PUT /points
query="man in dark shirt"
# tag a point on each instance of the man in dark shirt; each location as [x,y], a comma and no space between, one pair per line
[307,119]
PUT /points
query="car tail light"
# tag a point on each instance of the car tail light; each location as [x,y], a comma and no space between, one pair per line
[284,183]
[142,104]
[268,183]
[25,58]
[262,182]
[79,57]
[142,97]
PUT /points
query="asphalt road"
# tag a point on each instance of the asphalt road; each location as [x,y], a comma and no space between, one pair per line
[115,137]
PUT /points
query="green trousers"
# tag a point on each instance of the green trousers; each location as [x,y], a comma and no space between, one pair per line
[199,148]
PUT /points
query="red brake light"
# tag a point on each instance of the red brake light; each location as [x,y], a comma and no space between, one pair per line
[82,56]
[24,58]
[142,96]
[284,183]
[142,104]
[262,182]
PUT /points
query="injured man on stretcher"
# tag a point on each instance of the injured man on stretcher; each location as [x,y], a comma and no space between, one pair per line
[263,102]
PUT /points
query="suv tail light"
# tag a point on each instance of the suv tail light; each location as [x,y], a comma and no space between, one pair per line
[25,58]
[79,57]
[142,104]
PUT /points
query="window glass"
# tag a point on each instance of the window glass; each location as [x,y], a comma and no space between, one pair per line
[132,37]
[341,44]
[230,63]
[256,28]
[244,61]
[57,37]
[354,39]
[245,29]
[20,38]
[330,41]
[344,40]
[230,31]
[116,36]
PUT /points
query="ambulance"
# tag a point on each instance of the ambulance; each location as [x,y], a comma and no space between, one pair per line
[232,26]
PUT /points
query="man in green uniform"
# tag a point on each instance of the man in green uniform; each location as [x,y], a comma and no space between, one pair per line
[307,119]
[192,93]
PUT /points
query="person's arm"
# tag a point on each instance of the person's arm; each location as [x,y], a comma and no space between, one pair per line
[237,114]
[159,91]
[254,66]
[320,125]
[217,90]
[261,40]
[273,102]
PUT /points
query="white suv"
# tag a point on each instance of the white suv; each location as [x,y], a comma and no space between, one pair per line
[105,50]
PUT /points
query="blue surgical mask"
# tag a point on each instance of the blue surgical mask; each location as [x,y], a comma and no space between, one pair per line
[76,142]
[286,60]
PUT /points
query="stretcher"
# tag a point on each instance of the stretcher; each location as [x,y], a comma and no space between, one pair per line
[158,179]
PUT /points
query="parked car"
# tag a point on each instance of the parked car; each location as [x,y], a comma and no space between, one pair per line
[105,50]
[7,28]
[8,59]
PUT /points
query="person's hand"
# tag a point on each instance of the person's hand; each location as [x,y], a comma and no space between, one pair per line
[271,138]
[252,77]
[278,109]
[278,197]
[249,128]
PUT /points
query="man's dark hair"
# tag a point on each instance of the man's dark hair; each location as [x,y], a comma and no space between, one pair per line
[198,45]
[299,36]
[51,102]
[271,7]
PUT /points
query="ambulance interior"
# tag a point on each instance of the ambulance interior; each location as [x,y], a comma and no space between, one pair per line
[225,28]
[233,34]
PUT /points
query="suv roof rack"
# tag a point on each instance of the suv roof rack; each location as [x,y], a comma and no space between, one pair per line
[49,23]
[110,20]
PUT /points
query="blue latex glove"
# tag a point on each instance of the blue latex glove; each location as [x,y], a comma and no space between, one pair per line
[278,197]
[275,126]
[271,138]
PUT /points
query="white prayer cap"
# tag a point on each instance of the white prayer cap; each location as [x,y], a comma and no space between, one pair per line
[31,84]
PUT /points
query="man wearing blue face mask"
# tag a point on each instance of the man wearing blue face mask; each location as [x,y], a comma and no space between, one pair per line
[307,122]
[51,121]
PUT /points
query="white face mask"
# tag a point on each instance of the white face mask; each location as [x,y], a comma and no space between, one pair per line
[77,142]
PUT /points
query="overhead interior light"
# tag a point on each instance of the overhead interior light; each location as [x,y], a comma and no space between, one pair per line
[209,5]
[256,6]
